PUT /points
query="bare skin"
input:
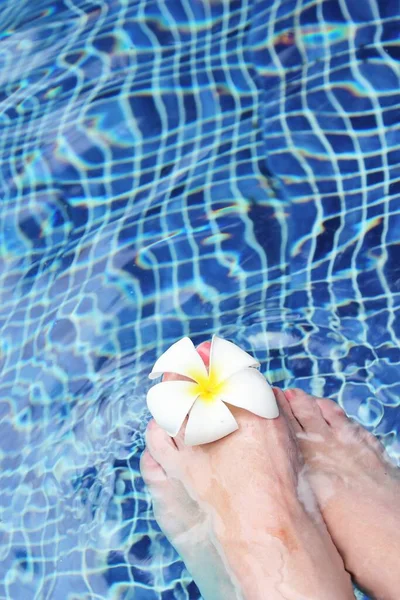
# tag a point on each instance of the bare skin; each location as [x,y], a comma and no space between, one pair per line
[189,531]
[358,491]
[240,507]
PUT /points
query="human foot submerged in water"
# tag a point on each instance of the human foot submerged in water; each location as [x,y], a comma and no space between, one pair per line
[357,488]
[233,508]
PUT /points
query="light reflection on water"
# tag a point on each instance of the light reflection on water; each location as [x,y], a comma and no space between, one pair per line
[175,169]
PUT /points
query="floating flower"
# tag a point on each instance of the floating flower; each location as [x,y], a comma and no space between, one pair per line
[231,378]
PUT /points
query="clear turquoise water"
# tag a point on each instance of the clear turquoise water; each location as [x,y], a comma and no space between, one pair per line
[175,168]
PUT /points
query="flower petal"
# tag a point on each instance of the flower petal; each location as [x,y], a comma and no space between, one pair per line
[250,390]
[169,402]
[208,422]
[226,358]
[180,358]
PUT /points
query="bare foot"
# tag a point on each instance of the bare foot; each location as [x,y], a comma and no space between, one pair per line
[189,530]
[358,491]
[243,495]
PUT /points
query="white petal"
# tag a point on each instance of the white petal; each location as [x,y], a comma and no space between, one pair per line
[180,358]
[208,422]
[226,358]
[250,390]
[169,402]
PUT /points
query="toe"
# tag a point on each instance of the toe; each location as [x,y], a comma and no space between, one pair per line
[159,444]
[337,419]
[179,439]
[174,510]
[376,445]
[285,408]
[169,499]
[151,471]
[306,410]
[347,430]
[332,413]
[204,350]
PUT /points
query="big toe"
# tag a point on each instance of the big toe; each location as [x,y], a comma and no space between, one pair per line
[306,410]
[204,350]
[175,511]
[152,472]
[160,445]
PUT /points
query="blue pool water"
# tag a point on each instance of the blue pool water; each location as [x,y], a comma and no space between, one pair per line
[170,168]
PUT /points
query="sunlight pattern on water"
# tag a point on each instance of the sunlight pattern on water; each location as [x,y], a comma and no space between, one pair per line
[170,168]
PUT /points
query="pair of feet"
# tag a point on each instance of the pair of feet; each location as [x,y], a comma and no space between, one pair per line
[284,509]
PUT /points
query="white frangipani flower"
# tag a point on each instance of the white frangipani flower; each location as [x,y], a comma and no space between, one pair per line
[231,378]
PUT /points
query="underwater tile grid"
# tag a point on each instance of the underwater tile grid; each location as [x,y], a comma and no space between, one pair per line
[171,168]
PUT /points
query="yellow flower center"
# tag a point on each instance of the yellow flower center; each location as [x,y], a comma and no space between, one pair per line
[208,388]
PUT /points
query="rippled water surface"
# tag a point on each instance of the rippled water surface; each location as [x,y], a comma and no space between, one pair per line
[170,168]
